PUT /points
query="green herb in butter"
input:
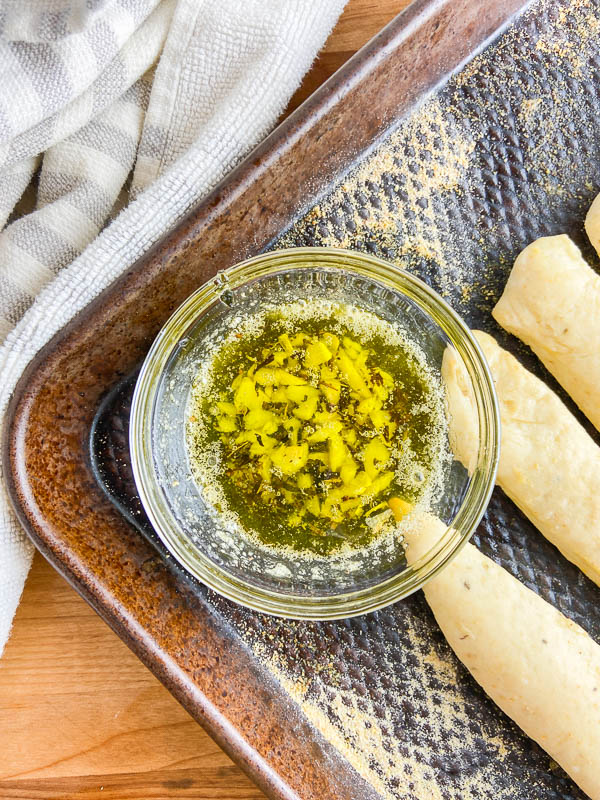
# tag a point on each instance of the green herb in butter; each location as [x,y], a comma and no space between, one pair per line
[322,436]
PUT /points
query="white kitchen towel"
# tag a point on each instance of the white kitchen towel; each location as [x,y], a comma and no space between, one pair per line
[83,103]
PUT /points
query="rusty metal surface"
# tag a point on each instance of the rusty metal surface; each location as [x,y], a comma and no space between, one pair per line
[506,151]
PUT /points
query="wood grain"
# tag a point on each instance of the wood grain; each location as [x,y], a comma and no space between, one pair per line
[80,716]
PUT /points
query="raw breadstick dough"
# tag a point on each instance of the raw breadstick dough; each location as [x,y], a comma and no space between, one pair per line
[552,302]
[549,466]
[592,224]
[541,669]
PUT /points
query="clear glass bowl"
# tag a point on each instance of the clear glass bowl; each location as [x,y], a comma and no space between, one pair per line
[236,567]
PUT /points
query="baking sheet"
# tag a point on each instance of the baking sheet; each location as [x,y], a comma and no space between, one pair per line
[507,151]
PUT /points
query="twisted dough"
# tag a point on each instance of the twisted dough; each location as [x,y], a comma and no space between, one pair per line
[549,466]
[551,301]
[539,667]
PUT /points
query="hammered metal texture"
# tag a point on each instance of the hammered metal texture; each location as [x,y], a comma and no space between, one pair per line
[519,132]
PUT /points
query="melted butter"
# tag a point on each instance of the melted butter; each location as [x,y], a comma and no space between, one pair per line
[315,427]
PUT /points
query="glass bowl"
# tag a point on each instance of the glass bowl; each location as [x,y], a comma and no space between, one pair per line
[235,566]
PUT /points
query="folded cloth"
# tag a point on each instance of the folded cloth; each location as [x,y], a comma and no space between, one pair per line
[173,93]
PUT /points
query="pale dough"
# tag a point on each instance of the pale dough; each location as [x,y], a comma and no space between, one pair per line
[549,466]
[541,669]
[552,302]
[592,224]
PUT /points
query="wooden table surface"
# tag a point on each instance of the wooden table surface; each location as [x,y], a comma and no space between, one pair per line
[80,716]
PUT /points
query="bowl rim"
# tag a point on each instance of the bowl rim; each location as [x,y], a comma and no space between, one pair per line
[393,588]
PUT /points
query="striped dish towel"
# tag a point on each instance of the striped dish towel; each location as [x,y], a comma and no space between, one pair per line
[116,116]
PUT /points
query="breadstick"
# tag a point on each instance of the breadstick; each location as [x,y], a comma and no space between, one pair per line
[541,669]
[592,224]
[552,302]
[549,466]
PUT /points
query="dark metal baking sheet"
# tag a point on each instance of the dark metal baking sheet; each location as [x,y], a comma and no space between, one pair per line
[505,151]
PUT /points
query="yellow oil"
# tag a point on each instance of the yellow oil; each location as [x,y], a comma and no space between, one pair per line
[273,507]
